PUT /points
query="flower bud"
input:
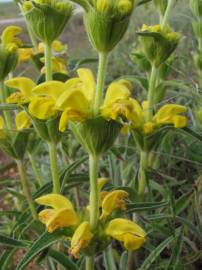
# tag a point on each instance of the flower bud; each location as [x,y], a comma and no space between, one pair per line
[158,44]
[107,22]
[47,18]
[124,7]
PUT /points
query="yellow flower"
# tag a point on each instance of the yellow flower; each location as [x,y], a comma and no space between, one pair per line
[41,98]
[9,40]
[170,114]
[25,54]
[22,120]
[61,215]
[126,231]
[58,65]
[24,86]
[81,239]
[57,46]
[101,183]
[167,114]
[77,102]
[113,200]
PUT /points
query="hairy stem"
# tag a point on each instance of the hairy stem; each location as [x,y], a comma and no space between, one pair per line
[94,202]
[26,188]
[142,172]
[35,170]
[100,82]
[151,91]
[48,61]
[54,167]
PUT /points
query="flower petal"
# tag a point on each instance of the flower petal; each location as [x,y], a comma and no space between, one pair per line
[51,88]
[55,201]
[81,239]
[88,83]
[74,99]
[42,107]
[113,200]
[45,215]
[166,113]
[116,91]
[61,218]
[22,120]
[9,35]
[23,84]
[70,115]
[126,231]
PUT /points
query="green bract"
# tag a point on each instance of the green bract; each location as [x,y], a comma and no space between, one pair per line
[106,21]
[104,32]
[47,129]
[158,44]
[96,135]
[47,18]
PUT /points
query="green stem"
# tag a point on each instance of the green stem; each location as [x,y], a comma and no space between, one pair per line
[35,170]
[26,187]
[94,202]
[54,167]
[100,82]
[142,172]
[108,258]
[167,13]
[130,260]
[7,115]
[151,91]
[94,192]
[89,263]
[48,61]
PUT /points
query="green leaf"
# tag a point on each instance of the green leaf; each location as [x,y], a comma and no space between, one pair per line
[123,260]
[183,202]
[46,240]
[10,242]
[155,253]
[174,260]
[109,258]
[6,257]
[67,171]
[9,213]
[77,63]
[191,226]
[145,206]
[62,259]
[143,2]
[192,133]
